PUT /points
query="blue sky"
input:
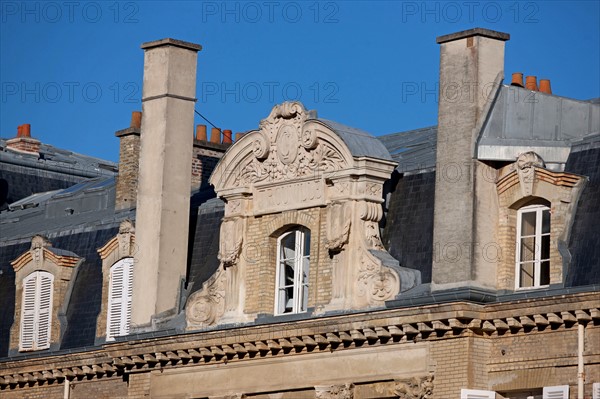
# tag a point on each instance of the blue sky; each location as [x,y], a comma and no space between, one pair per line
[73,70]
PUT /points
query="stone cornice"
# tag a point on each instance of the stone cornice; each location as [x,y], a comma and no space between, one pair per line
[560,179]
[426,323]
[59,260]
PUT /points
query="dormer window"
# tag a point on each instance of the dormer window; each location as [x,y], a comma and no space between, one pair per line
[293,259]
[119,297]
[533,247]
[36,311]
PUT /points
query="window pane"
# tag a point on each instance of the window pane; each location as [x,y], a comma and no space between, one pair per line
[288,246]
[306,243]
[304,298]
[527,224]
[527,274]
[545,247]
[545,273]
[527,249]
[286,274]
[546,221]
[282,300]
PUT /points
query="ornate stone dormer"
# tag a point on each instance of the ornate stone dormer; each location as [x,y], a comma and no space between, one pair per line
[522,187]
[320,179]
[119,249]
[42,277]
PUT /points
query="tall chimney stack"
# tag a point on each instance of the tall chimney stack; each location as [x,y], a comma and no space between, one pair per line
[471,63]
[163,199]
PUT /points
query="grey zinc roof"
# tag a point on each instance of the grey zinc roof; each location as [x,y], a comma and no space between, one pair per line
[359,142]
[58,160]
[522,120]
[88,205]
[414,150]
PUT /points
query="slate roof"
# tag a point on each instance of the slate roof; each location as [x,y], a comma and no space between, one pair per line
[58,160]
[414,150]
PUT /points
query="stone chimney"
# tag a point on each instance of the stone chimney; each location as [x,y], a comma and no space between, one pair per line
[163,198]
[471,67]
[129,156]
[24,142]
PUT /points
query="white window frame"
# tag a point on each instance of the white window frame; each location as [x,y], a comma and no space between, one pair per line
[298,305]
[538,209]
[478,394]
[119,314]
[36,307]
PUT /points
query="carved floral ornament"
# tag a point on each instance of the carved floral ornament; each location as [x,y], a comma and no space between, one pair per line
[289,144]
[415,388]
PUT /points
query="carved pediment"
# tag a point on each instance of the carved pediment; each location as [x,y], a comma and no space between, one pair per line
[41,250]
[123,242]
[289,144]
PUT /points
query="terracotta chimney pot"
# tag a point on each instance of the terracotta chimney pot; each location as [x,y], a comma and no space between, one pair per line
[201,132]
[136,119]
[215,135]
[545,86]
[531,83]
[517,79]
[19,130]
[227,134]
[238,136]
[26,130]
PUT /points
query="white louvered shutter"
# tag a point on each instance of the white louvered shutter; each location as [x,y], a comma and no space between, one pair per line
[28,311]
[44,310]
[557,392]
[596,390]
[478,394]
[119,305]
[36,309]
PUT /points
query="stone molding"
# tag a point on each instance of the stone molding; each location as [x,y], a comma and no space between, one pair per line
[39,253]
[390,327]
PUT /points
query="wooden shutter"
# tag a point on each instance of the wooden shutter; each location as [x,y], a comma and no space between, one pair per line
[36,311]
[28,311]
[557,392]
[44,310]
[119,298]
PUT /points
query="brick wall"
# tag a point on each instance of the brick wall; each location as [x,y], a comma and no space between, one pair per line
[129,160]
[205,157]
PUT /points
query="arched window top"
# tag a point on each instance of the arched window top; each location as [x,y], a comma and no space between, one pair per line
[293,260]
